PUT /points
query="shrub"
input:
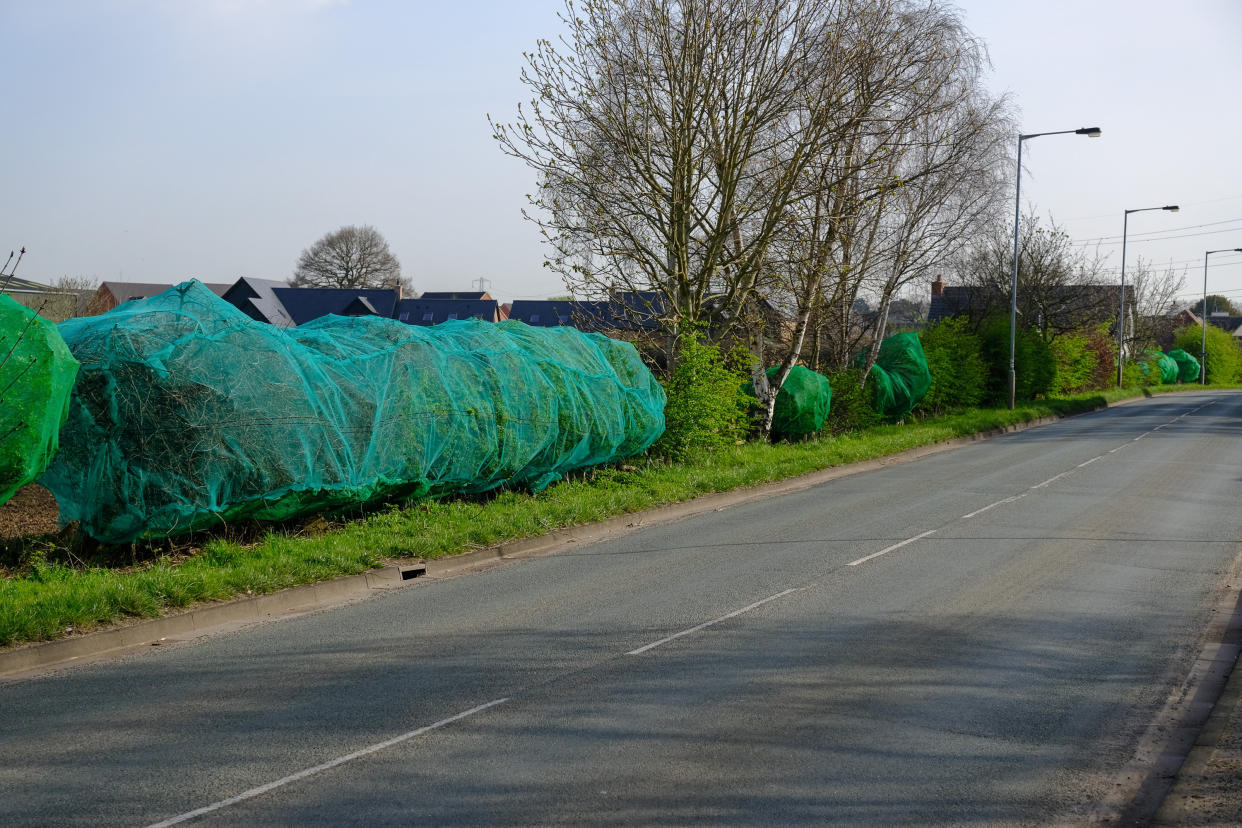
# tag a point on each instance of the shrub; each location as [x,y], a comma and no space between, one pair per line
[707,407]
[1075,363]
[1034,364]
[853,402]
[959,374]
[1134,377]
[1102,344]
[1224,360]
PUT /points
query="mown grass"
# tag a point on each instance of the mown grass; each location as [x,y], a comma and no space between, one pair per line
[48,598]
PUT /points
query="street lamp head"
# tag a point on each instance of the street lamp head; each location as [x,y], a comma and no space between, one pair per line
[1090,132]
[1172,208]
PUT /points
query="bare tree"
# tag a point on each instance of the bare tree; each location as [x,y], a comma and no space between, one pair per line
[351,257]
[1155,299]
[917,169]
[1060,288]
[668,136]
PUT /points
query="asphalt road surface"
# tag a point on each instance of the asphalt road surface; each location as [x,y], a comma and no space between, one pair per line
[978,637]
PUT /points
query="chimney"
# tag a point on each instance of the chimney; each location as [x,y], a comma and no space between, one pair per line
[937,286]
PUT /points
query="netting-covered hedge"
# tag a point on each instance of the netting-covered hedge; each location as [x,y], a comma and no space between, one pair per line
[187,412]
[36,375]
[901,375]
[1187,365]
[1161,362]
[802,404]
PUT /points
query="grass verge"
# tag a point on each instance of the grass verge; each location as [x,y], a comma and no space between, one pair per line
[49,598]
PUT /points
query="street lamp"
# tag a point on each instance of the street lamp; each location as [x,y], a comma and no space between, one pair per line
[1091,132]
[1204,320]
[1121,317]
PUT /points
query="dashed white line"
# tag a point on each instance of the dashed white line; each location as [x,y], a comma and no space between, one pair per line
[358,754]
[994,505]
[706,624]
[1089,462]
[1052,479]
[891,548]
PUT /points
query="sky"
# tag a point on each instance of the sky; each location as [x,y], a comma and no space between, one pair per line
[158,140]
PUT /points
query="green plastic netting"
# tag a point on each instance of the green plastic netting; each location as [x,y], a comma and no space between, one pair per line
[36,376]
[1187,365]
[902,376]
[187,413]
[802,404]
[1165,364]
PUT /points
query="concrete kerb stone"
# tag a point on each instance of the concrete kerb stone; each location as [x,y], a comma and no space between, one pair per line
[30,659]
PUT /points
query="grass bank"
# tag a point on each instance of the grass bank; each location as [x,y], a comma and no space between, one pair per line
[51,593]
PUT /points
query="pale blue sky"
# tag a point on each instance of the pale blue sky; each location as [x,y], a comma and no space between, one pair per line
[154,140]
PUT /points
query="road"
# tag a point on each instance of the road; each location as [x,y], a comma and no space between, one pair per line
[980,636]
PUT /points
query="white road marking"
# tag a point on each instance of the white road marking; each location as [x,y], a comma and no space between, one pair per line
[1052,479]
[358,754]
[994,505]
[706,624]
[891,548]
[1089,462]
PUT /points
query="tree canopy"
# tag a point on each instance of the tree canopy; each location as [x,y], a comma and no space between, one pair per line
[351,257]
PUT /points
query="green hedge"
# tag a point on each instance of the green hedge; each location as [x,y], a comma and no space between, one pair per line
[1224,359]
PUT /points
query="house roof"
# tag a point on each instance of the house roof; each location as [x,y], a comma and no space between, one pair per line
[257,299]
[16,283]
[1232,324]
[475,296]
[955,300]
[125,291]
[423,311]
[360,306]
[1078,301]
[305,304]
[543,313]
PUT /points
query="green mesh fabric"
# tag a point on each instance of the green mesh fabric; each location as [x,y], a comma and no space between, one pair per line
[1187,365]
[901,374]
[36,376]
[802,403]
[1166,365]
[188,413]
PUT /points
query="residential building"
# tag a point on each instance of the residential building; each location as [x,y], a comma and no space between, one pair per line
[433,311]
[111,294]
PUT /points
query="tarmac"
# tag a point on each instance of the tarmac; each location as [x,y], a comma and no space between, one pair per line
[1193,776]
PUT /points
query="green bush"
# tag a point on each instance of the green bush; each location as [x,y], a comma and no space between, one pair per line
[1224,359]
[1075,363]
[853,402]
[959,374]
[1034,364]
[1133,375]
[706,408]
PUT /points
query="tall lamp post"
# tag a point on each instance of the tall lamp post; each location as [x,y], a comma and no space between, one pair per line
[1204,320]
[1092,132]
[1121,317]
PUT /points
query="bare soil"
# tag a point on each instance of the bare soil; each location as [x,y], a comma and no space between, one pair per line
[31,511]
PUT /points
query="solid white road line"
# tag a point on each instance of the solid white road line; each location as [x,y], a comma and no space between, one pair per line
[358,754]
[705,624]
[891,548]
